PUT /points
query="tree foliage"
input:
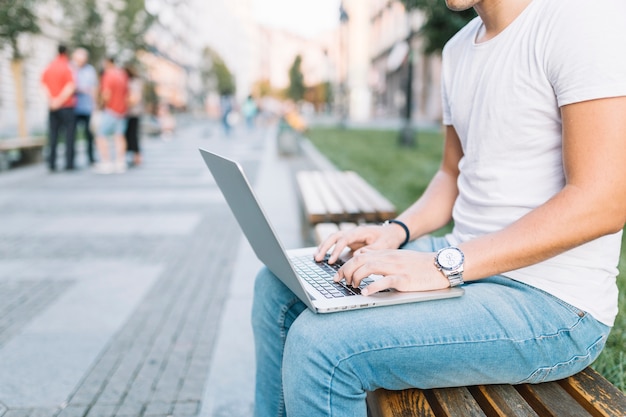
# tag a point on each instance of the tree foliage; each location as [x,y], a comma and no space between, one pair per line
[296,88]
[131,24]
[214,73]
[84,19]
[440,22]
[16,18]
[85,24]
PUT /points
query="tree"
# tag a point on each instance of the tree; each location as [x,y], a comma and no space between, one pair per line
[440,22]
[131,24]
[85,24]
[215,75]
[17,18]
[84,19]
[296,88]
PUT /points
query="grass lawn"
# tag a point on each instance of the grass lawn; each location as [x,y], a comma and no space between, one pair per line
[402,174]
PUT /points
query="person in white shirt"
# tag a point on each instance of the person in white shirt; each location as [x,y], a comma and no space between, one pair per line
[533,176]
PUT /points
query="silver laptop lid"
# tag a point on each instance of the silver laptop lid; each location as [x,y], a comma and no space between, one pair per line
[232,181]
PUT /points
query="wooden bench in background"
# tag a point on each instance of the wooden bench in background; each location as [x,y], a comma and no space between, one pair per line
[333,200]
[29,149]
[582,395]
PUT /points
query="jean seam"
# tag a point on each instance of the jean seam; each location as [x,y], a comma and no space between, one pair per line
[450,343]
[283,336]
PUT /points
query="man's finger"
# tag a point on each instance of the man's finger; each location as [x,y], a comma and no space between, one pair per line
[381,284]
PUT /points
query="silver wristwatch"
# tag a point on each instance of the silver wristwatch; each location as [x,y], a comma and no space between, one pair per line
[450,262]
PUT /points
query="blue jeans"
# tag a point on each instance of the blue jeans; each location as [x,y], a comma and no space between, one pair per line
[61,120]
[499,331]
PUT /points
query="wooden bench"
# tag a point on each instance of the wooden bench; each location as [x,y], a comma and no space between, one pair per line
[333,200]
[29,148]
[582,395]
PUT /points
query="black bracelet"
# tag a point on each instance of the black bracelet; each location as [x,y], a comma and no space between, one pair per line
[406,230]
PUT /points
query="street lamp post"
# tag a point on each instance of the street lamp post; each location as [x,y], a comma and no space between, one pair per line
[408,133]
[343,66]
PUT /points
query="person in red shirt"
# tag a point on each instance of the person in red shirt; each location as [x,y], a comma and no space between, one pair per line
[114,94]
[59,84]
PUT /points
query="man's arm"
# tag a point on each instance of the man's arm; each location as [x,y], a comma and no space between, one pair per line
[591,204]
[433,209]
[64,95]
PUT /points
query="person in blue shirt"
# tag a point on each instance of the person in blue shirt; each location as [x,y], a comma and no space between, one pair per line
[86,88]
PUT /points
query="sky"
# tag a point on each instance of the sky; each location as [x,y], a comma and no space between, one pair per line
[303,17]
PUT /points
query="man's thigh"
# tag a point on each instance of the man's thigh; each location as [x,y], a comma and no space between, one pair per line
[499,331]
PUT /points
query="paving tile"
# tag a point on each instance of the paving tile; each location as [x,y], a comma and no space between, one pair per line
[62,234]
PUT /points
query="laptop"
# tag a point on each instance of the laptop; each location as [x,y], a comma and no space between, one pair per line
[309,280]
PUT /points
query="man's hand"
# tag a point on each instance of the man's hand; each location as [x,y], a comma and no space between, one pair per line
[371,237]
[403,270]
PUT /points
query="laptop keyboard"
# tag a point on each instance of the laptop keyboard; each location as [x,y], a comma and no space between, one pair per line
[320,276]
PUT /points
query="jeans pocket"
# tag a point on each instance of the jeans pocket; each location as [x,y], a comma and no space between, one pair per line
[564,369]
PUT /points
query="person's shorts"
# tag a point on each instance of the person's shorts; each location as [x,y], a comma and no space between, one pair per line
[111,123]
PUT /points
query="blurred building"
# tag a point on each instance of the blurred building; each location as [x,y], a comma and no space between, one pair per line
[38,51]
[365,59]
[376,35]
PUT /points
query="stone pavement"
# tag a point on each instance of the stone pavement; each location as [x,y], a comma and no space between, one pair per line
[129,295]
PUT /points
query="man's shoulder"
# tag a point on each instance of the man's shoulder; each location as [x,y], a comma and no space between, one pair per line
[464,36]
[57,67]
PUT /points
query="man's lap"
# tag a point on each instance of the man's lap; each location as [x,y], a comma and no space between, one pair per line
[500,331]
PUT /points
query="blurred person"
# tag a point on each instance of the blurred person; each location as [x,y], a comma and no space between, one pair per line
[290,129]
[166,121]
[59,83]
[86,90]
[250,110]
[226,106]
[293,117]
[133,115]
[114,95]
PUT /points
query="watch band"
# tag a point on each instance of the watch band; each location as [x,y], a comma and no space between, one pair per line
[404,226]
[456,278]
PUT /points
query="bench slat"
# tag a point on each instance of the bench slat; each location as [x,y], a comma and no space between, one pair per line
[334,209]
[367,211]
[595,393]
[551,400]
[313,205]
[383,207]
[383,403]
[334,181]
[455,402]
[502,401]
[582,395]
[22,143]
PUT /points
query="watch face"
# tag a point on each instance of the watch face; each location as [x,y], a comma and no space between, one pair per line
[450,258]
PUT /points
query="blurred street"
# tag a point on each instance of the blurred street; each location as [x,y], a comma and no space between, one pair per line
[129,295]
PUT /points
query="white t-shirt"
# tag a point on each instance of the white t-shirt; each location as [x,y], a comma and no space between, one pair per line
[503,96]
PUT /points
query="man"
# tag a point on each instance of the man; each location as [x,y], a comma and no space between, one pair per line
[533,175]
[114,93]
[59,85]
[133,114]
[86,89]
